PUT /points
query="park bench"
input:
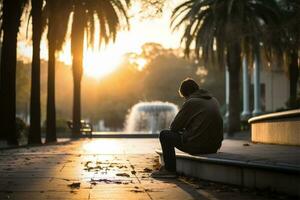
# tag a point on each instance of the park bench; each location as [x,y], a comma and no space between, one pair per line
[86,128]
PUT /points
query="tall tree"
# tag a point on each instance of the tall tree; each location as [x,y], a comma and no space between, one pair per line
[77,40]
[34,136]
[110,14]
[233,29]
[57,14]
[291,45]
[11,15]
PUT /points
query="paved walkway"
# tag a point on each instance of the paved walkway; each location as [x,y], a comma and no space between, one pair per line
[100,169]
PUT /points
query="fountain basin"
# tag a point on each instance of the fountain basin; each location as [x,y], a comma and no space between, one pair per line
[277,128]
[150,117]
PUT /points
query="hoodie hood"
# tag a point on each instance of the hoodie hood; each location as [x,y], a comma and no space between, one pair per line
[201,93]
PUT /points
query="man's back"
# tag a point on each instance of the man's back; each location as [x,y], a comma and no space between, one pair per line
[201,122]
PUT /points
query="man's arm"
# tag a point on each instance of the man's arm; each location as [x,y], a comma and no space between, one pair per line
[181,119]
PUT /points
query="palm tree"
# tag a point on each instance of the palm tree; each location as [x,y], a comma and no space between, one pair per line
[11,14]
[34,136]
[110,14]
[57,14]
[291,26]
[232,28]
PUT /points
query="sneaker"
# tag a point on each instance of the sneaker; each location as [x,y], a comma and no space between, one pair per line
[163,173]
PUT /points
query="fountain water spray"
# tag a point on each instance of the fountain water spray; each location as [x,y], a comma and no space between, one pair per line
[150,117]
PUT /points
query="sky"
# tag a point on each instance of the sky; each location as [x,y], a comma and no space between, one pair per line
[99,63]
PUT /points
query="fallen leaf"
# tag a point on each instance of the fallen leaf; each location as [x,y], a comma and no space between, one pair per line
[147,170]
[93,183]
[137,191]
[133,172]
[123,174]
[75,185]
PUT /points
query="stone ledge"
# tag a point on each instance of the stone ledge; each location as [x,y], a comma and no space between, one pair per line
[276,116]
[280,177]
[285,168]
[276,128]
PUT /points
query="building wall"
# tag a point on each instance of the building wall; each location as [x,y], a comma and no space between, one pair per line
[276,85]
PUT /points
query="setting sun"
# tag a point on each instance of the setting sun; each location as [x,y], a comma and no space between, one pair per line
[97,62]
[100,63]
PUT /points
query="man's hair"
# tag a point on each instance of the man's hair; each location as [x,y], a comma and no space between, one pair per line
[188,87]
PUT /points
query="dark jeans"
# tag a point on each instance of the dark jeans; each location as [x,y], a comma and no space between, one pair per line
[169,140]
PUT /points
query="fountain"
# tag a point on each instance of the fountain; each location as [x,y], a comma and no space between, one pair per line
[150,117]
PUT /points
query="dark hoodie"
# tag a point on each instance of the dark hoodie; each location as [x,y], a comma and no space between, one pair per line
[201,122]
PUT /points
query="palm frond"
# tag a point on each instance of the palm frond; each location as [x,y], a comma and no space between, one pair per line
[56,15]
[111,16]
[213,26]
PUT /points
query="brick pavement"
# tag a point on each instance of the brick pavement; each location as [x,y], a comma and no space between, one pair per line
[96,169]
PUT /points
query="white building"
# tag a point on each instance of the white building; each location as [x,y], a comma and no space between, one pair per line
[276,89]
[272,94]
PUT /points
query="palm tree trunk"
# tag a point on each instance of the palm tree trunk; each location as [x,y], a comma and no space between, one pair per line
[77,40]
[294,76]
[76,106]
[35,103]
[234,66]
[11,20]
[51,112]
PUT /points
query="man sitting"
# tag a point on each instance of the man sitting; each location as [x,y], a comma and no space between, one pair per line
[196,129]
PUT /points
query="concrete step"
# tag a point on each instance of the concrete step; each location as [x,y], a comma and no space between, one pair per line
[273,167]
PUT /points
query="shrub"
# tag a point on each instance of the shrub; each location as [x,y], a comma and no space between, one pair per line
[22,130]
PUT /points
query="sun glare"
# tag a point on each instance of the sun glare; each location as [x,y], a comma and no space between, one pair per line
[97,63]
[100,63]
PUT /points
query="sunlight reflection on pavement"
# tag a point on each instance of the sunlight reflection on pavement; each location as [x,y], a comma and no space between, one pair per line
[94,169]
[102,146]
[112,166]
